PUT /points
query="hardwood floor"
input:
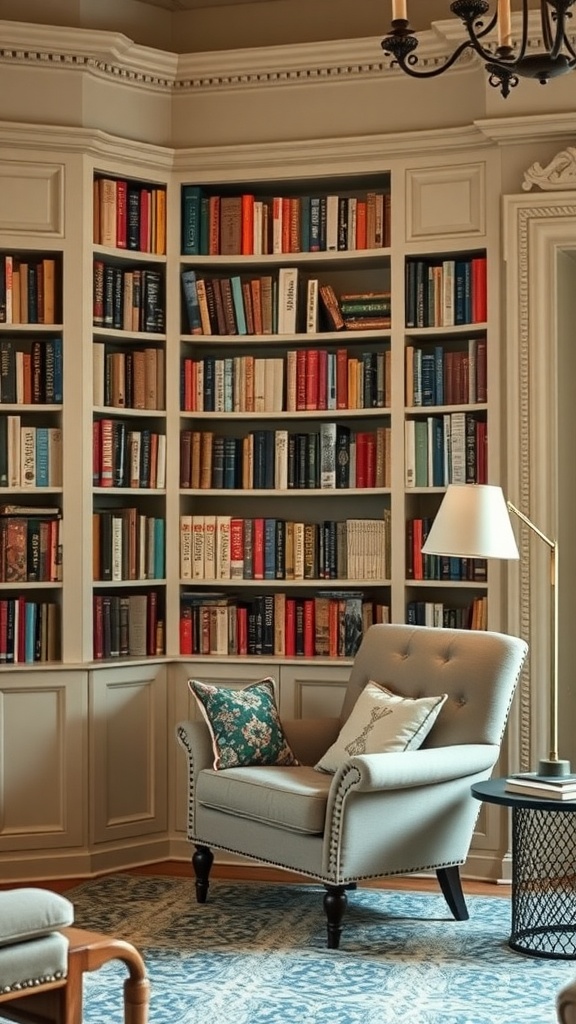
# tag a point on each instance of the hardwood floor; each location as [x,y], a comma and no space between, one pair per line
[183,869]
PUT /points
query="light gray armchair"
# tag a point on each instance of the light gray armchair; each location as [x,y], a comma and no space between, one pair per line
[381,813]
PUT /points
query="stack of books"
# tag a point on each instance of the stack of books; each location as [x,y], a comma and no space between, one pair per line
[542,786]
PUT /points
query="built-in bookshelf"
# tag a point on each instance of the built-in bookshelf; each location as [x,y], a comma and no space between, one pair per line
[445,427]
[31,394]
[129,418]
[285,436]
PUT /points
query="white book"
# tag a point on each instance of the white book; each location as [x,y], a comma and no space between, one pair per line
[328,455]
[298,551]
[448,293]
[28,457]
[197,543]
[312,306]
[352,212]
[219,402]
[161,462]
[260,384]
[332,223]
[98,368]
[458,447]
[19,364]
[223,547]
[287,299]
[281,460]
[257,228]
[186,547]
[209,547]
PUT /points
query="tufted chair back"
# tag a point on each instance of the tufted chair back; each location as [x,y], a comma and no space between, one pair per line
[423,662]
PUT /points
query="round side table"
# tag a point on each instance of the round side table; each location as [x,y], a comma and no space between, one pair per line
[543,871]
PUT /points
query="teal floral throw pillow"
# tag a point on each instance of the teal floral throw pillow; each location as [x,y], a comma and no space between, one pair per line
[244,724]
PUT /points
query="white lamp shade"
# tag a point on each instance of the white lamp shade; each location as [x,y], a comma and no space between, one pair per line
[472,522]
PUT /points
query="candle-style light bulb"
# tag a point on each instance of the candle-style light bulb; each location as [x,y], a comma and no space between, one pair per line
[399,10]
[504,23]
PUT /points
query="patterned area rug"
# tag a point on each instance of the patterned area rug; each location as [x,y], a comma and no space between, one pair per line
[256,954]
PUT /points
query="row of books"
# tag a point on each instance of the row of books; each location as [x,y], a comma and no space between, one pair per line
[447,449]
[125,457]
[132,379]
[128,625]
[331,457]
[30,456]
[129,215]
[302,380]
[128,299]
[436,613]
[127,545]
[29,290]
[446,292]
[30,545]
[247,224]
[280,303]
[330,624]
[447,376]
[224,547]
[438,567]
[31,371]
[29,631]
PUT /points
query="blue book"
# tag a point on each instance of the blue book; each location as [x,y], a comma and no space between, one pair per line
[428,379]
[42,458]
[133,217]
[305,203]
[230,463]
[269,549]
[191,208]
[191,304]
[238,300]
[314,245]
[57,350]
[159,531]
[30,618]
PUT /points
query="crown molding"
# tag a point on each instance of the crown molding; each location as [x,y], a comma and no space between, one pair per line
[528,128]
[86,142]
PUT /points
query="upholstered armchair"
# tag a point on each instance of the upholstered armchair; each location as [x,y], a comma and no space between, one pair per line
[377,814]
[43,960]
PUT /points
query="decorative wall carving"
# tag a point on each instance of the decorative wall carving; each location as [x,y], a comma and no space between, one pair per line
[559,174]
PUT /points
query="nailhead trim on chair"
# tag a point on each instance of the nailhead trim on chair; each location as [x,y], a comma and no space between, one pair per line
[347,782]
[191,783]
[32,983]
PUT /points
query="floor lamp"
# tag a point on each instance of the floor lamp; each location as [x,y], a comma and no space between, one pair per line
[473,522]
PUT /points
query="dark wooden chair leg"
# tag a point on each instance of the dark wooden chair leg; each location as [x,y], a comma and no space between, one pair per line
[202,860]
[335,903]
[451,886]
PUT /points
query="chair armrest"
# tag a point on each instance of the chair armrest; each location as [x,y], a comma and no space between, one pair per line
[424,767]
[197,742]
[310,738]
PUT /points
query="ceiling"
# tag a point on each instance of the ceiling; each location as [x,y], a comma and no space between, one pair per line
[194,5]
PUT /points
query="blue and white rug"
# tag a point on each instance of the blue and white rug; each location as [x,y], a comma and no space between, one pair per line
[256,954]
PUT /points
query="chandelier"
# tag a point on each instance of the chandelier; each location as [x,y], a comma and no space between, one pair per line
[505,63]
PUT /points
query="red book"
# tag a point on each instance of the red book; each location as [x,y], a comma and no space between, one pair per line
[242,629]
[144,240]
[361,224]
[186,630]
[370,460]
[121,214]
[301,360]
[258,549]
[361,460]
[247,221]
[214,226]
[333,627]
[290,637]
[479,290]
[286,225]
[342,379]
[481,371]
[309,627]
[312,379]
[236,549]
[322,379]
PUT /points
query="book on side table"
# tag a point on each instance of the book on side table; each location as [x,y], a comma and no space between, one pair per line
[532,784]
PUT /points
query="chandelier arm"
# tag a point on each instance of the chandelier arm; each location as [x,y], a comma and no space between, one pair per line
[545,23]
[406,63]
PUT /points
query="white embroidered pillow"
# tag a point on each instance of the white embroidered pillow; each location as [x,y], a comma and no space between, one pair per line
[382,721]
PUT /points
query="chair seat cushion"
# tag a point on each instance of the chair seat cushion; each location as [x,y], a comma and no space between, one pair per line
[293,798]
[35,962]
[30,913]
